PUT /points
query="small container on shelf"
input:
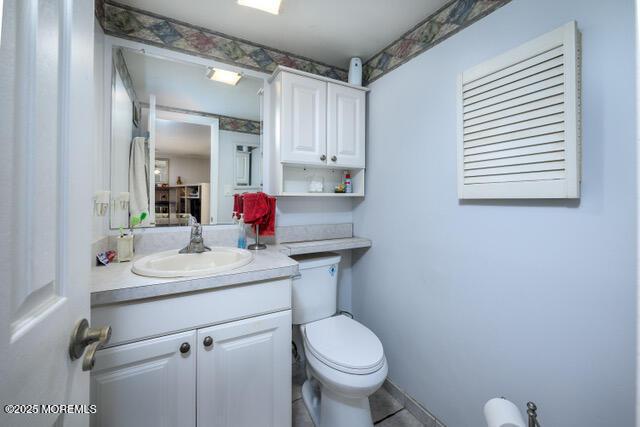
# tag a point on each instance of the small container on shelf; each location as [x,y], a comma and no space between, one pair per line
[348,187]
[316,184]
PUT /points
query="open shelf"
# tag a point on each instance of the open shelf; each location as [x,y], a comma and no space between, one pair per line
[296,180]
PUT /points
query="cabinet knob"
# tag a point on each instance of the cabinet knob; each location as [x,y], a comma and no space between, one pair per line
[208,341]
[334,158]
[185,347]
[323,157]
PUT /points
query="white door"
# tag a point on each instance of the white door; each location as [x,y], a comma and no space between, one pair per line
[304,120]
[244,373]
[345,126]
[242,172]
[46,94]
[150,383]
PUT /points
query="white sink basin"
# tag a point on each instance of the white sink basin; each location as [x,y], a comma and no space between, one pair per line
[173,264]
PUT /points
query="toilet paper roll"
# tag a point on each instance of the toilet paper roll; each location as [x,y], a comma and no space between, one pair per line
[500,412]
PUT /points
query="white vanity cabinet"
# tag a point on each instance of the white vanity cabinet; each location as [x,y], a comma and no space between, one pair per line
[242,380]
[318,133]
[147,383]
[222,358]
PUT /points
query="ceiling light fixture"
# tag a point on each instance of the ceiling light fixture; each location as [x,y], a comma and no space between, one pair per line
[223,76]
[270,6]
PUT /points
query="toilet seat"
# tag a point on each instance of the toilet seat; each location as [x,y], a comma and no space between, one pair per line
[344,345]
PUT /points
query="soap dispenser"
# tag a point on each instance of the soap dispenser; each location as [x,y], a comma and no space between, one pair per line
[242,233]
[124,245]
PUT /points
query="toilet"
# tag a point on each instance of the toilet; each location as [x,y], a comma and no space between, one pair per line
[345,361]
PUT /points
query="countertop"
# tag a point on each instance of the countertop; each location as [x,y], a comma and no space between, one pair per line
[329,245]
[116,283]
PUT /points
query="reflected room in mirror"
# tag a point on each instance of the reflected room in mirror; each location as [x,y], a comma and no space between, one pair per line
[181,147]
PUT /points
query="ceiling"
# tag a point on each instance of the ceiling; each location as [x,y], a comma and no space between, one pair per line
[182,139]
[184,85]
[330,31]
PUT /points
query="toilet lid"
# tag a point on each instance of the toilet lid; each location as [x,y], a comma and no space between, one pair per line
[345,345]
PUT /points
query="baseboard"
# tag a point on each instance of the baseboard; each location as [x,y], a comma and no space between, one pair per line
[411,405]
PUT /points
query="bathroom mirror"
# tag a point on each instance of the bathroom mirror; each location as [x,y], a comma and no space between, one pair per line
[184,139]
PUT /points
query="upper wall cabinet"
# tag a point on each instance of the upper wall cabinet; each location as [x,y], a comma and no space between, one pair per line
[318,135]
[345,126]
[304,120]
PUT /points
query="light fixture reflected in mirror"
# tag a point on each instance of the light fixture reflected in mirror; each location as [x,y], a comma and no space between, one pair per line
[223,76]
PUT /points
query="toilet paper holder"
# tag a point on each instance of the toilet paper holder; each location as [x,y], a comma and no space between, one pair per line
[501,412]
[532,414]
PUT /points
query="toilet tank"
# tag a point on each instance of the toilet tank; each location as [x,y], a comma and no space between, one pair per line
[315,291]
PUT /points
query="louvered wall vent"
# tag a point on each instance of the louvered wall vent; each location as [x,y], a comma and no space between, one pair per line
[519,122]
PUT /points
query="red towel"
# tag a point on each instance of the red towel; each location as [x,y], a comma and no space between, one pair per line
[237,205]
[268,227]
[260,210]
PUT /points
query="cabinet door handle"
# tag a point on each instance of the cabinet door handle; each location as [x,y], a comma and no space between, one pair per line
[208,341]
[185,347]
[323,157]
[334,158]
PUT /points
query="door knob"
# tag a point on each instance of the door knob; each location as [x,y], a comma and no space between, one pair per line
[208,341]
[323,157]
[91,338]
[185,347]
[334,158]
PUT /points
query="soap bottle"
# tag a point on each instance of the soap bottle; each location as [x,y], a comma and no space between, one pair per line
[347,183]
[242,233]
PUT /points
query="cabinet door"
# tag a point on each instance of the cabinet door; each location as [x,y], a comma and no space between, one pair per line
[150,383]
[244,376]
[345,126]
[304,120]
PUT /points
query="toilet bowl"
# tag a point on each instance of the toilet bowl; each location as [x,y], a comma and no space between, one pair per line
[345,361]
[345,365]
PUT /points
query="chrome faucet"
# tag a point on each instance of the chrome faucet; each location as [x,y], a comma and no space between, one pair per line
[196,242]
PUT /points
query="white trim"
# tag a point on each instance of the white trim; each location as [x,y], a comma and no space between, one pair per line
[162,53]
[1,9]
[153,116]
[637,22]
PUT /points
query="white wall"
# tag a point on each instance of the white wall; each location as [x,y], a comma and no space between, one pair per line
[532,300]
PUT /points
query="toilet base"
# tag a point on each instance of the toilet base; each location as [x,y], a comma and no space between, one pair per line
[328,409]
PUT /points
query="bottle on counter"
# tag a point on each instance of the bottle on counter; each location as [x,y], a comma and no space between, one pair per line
[242,233]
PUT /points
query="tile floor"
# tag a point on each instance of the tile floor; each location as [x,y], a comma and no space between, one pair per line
[385,410]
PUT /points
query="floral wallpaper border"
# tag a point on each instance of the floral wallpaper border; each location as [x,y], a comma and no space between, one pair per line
[451,18]
[233,124]
[146,27]
[135,24]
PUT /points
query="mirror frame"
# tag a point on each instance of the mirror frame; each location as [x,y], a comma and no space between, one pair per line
[111,42]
